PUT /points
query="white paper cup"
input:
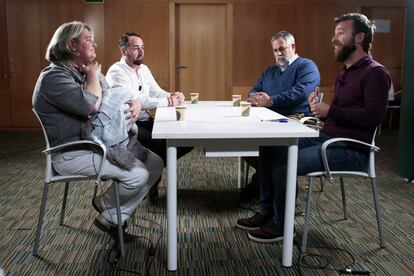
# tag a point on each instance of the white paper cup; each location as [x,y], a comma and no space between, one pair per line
[181,112]
[194,97]
[236,100]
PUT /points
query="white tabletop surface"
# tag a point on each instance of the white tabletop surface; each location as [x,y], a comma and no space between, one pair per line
[220,120]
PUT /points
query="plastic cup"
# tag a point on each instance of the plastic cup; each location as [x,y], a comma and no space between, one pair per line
[181,112]
[194,97]
[245,108]
[236,100]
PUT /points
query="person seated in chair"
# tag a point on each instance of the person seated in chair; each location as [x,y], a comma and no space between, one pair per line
[283,87]
[131,72]
[67,93]
[357,108]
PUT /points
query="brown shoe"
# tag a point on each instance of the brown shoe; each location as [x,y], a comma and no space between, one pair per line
[253,223]
[268,233]
[112,231]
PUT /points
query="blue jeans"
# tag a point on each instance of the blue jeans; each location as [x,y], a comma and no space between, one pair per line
[272,169]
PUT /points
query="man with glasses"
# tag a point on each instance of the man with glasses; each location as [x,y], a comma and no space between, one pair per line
[283,87]
[357,108]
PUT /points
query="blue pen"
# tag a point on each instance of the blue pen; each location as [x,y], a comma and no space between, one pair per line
[281,120]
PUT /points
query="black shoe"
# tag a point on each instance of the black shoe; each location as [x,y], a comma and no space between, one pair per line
[268,233]
[252,223]
[112,231]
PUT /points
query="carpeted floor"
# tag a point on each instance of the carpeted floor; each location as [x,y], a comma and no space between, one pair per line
[208,206]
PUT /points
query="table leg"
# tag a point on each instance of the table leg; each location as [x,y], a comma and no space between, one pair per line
[292,164]
[172,207]
[240,172]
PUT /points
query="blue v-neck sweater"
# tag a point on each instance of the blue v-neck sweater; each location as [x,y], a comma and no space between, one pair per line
[289,89]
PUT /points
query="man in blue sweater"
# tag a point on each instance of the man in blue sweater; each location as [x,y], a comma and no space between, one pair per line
[357,108]
[283,87]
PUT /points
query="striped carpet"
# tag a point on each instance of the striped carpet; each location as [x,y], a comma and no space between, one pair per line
[208,206]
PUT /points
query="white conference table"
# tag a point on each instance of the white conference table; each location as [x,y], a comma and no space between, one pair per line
[218,127]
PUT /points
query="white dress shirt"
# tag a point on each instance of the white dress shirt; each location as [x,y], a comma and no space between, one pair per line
[150,94]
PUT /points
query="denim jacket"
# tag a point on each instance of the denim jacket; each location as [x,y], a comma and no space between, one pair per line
[109,124]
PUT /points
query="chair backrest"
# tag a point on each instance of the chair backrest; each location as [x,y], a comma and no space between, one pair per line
[391,92]
[43,128]
[368,171]
[49,169]
[51,175]
[371,161]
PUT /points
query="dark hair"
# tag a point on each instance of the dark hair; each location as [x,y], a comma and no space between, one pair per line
[361,24]
[123,41]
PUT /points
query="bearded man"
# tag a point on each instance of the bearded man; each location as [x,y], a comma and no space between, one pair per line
[131,72]
[283,87]
[357,108]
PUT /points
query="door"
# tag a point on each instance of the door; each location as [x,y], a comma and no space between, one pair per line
[201,51]
[30,27]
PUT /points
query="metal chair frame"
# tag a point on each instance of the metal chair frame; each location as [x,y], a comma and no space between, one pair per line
[369,172]
[52,177]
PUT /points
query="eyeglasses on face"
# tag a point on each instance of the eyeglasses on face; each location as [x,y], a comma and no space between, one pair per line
[281,49]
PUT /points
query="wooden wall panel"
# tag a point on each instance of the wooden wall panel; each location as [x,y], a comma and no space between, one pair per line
[23,21]
[388,48]
[151,21]
[253,26]
[93,15]
[31,23]
[30,28]
[314,32]
[312,25]
[36,23]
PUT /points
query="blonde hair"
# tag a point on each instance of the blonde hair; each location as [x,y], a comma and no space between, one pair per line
[58,48]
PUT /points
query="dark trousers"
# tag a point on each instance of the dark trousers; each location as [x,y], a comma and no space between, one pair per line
[273,169]
[158,146]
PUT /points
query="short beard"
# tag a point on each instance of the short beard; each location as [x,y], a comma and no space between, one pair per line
[282,62]
[138,61]
[346,51]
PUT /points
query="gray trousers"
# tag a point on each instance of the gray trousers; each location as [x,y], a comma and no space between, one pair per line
[133,184]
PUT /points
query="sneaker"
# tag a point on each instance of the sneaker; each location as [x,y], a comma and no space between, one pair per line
[268,233]
[253,223]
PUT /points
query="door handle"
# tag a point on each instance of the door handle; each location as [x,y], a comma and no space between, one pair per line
[178,66]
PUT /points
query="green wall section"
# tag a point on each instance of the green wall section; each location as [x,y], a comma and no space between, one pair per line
[406,137]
